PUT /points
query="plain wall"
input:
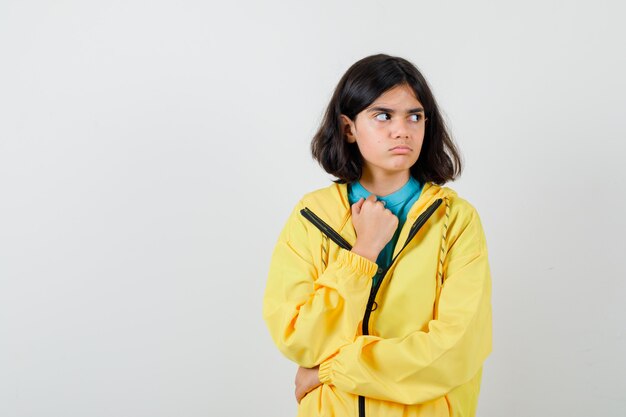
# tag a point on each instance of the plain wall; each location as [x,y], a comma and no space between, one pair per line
[150,153]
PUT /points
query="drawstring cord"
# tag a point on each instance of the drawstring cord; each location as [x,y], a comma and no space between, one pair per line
[325,249]
[442,256]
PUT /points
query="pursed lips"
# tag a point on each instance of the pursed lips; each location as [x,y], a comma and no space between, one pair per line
[401,147]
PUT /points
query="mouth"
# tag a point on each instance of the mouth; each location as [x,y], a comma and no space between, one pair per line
[401,149]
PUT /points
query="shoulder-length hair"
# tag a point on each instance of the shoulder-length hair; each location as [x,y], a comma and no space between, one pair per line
[439,160]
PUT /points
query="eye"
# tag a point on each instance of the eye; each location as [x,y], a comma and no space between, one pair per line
[416,117]
[382,116]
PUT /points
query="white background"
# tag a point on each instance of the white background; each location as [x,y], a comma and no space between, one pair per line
[150,152]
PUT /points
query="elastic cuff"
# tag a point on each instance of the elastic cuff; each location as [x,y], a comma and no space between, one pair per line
[324,372]
[357,262]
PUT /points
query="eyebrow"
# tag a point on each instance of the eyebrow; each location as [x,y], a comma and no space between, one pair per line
[388,110]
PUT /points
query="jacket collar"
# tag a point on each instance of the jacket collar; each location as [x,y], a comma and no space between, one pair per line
[430,192]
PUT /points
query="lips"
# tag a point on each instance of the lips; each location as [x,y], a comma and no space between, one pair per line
[401,149]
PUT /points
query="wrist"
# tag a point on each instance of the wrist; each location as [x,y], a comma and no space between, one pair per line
[366,251]
[324,372]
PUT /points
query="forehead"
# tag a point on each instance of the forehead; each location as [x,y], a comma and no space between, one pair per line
[398,96]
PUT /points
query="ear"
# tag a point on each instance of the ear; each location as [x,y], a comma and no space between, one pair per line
[348,128]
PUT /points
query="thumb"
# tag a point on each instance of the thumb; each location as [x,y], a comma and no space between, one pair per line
[356,207]
[372,198]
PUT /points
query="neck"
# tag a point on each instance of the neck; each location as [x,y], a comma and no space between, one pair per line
[383,184]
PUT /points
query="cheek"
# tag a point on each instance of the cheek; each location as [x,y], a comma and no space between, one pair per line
[419,137]
[374,134]
[367,148]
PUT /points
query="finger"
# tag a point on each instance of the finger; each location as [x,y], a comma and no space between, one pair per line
[356,207]
[370,200]
[300,395]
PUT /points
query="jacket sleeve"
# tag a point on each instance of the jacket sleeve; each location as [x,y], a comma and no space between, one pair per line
[426,365]
[310,314]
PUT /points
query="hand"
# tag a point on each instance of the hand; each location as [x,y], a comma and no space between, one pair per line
[374,225]
[307,379]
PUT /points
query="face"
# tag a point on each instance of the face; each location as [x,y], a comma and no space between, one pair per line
[389,132]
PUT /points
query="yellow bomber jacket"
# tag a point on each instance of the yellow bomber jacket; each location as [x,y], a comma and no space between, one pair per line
[414,345]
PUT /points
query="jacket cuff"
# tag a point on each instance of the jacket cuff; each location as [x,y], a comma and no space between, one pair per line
[324,372]
[357,263]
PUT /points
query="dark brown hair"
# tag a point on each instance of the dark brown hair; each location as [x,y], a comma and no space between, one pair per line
[439,160]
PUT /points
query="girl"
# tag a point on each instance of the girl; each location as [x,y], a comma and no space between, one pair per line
[379,284]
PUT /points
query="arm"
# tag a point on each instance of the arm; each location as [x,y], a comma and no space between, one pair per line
[311,314]
[425,365]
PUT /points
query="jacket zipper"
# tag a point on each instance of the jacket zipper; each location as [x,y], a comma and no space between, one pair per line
[336,237]
[325,228]
[417,225]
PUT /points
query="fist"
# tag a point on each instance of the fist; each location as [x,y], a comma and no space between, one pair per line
[374,225]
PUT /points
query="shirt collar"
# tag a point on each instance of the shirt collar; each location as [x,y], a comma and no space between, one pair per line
[397,197]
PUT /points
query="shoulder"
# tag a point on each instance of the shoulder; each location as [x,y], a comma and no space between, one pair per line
[331,194]
[328,203]
[464,219]
[459,206]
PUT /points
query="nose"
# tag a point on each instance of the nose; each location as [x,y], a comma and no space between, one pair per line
[400,129]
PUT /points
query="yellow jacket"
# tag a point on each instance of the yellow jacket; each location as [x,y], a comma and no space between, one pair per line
[416,346]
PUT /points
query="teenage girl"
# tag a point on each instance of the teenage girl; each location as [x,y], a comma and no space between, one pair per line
[379,285]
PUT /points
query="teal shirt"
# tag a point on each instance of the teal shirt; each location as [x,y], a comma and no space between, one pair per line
[399,202]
